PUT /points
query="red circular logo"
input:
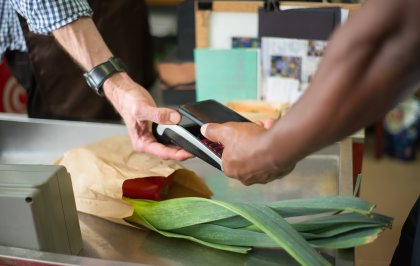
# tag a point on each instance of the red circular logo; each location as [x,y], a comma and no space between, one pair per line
[12,94]
[14,97]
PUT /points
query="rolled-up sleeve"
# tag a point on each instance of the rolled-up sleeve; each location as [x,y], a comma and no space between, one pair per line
[44,16]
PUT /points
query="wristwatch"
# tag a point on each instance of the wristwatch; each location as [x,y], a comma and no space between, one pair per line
[96,77]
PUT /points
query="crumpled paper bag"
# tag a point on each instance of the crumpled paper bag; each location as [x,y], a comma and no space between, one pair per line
[99,169]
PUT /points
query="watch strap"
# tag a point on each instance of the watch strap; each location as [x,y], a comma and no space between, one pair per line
[96,77]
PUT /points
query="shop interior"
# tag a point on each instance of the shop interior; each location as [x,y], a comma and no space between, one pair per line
[190,39]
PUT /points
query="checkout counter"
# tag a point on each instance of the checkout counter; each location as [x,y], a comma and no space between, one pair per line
[36,141]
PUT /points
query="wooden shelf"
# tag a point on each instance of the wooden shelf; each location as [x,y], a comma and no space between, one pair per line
[163,2]
[202,16]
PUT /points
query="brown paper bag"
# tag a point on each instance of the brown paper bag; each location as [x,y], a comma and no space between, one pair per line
[99,169]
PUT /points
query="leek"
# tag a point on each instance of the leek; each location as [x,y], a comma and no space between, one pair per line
[324,222]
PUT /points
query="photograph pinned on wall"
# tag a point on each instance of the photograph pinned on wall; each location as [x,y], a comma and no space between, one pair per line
[286,67]
[316,48]
[245,42]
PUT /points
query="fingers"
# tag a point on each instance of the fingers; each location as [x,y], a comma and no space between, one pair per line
[269,123]
[138,110]
[260,123]
[265,177]
[162,151]
[143,141]
[167,152]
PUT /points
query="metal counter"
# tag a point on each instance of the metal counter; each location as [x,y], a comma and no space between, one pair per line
[38,141]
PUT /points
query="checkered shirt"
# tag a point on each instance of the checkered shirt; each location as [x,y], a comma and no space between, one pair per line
[43,16]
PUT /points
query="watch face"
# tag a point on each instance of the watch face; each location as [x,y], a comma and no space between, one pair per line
[89,81]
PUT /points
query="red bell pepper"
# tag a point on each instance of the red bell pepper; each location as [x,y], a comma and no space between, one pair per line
[152,187]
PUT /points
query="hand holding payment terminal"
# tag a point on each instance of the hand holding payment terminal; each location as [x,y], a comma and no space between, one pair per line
[187,133]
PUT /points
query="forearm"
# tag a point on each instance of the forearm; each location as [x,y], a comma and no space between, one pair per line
[83,42]
[365,71]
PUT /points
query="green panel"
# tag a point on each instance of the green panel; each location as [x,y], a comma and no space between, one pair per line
[227,74]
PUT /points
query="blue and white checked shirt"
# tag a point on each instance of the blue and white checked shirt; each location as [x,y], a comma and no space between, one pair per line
[43,16]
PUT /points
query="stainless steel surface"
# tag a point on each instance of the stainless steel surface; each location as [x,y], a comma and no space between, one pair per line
[26,257]
[34,141]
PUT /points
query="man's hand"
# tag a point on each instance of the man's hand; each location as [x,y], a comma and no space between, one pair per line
[244,156]
[138,110]
[84,43]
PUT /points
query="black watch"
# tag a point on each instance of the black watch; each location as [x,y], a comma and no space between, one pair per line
[96,77]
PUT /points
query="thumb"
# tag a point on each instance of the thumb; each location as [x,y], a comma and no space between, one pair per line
[211,131]
[164,116]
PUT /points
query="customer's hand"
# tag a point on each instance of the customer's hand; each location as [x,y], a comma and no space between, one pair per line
[138,109]
[245,155]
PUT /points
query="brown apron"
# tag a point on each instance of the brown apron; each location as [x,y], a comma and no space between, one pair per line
[61,92]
